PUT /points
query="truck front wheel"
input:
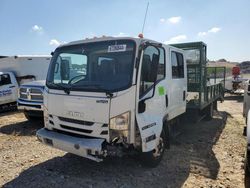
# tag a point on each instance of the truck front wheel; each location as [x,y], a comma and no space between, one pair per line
[30,117]
[247,167]
[153,158]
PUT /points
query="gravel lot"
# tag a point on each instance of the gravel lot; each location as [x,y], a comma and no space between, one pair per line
[206,154]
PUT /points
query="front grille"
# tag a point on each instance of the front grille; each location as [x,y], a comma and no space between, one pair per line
[76,129]
[79,127]
[37,97]
[31,94]
[23,89]
[71,134]
[35,90]
[88,123]
[23,96]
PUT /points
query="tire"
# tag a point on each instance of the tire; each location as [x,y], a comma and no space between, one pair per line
[153,158]
[215,105]
[192,116]
[167,135]
[30,117]
[209,112]
[246,166]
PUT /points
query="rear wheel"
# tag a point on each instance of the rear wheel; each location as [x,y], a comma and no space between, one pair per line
[153,158]
[209,112]
[215,105]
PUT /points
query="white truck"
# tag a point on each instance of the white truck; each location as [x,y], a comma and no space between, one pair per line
[115,96]
[246,115]
[28,72]
[246,102]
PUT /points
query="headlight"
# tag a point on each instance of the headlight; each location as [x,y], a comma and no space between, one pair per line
[120,122]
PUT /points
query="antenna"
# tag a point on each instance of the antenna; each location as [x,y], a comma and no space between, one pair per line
[145,18]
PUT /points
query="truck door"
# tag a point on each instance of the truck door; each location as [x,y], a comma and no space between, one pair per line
[8,90]
[178,86]
[152,95]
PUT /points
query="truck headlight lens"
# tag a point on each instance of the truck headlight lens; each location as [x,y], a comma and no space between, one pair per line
[120,122]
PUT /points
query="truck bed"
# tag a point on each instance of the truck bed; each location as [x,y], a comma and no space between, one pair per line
[205,84]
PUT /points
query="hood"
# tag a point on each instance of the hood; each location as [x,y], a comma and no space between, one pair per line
[39,83]
[83,107]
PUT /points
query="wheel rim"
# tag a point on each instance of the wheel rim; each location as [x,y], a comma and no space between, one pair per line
[157,152]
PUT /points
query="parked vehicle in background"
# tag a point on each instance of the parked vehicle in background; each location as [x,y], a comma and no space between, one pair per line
[246,102]
[8,91]
[27,72]
[246,114]
[236,83]
[30,99]
[117,96]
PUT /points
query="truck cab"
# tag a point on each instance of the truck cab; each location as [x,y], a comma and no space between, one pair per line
[109,96]
[8,90]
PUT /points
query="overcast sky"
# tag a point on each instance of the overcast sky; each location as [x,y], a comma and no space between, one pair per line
[38,27]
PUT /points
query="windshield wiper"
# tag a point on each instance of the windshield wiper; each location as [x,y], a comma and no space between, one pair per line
[108,93]
[64,88]
[68,88]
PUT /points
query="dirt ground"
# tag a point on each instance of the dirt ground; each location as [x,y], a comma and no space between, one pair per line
[206,154]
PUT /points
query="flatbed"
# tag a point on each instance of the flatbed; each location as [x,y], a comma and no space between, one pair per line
[205,85]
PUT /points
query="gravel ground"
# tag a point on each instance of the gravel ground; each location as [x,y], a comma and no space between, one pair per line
[206,154]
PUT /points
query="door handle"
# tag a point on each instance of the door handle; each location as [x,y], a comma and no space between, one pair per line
[166,100]
[12,86]
[184,95]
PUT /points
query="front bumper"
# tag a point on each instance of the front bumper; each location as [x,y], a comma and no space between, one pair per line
[29,105]
[85,147]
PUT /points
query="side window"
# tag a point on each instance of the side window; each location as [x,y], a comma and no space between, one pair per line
[147,69]
[177,65]
[5,79]
[180,65]
[161,65]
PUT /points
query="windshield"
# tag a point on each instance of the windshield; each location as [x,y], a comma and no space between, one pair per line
[98,66]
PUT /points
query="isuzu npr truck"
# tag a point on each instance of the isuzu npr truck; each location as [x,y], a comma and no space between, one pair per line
[112,96]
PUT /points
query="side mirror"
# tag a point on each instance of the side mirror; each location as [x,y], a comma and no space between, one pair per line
[64,70]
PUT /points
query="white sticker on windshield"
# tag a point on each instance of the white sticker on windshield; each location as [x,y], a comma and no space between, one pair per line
[117,48]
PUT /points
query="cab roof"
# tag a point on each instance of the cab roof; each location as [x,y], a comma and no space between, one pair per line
[99,39]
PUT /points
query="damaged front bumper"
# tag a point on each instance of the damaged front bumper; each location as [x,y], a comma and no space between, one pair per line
[90,148]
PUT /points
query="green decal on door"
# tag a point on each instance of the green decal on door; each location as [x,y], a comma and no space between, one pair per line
[161,90]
